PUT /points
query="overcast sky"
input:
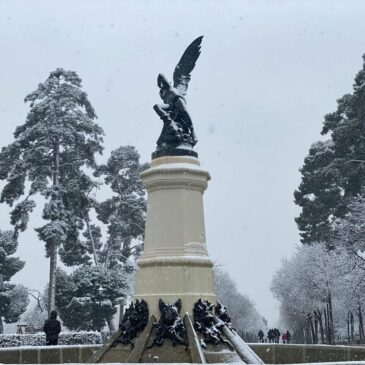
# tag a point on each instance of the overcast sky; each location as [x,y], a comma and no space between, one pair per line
[268,73]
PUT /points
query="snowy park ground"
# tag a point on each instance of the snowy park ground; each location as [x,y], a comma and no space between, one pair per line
[239,363]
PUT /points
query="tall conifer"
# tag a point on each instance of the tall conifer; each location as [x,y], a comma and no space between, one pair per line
[334,171]
[48,157]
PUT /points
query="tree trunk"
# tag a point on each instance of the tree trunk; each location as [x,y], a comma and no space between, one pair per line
[53,245]
[352,323]
[310,321]
[1,326]
[316,326]
[330,317]
[52,277]
[318,314]
[108,247]
[361,325]
[308,338]
[348,327]
[331,327]
[328,339]
[92,242]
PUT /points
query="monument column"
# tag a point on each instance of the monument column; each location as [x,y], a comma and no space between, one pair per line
[175,262]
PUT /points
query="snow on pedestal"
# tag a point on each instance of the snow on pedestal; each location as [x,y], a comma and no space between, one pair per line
[175,262]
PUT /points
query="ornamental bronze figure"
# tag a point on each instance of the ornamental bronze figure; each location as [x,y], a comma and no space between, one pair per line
[178,135]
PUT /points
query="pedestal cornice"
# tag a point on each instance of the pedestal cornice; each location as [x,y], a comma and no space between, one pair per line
[200,261]
[176,175]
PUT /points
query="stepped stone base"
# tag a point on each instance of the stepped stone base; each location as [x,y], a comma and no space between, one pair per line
[174,268]
[113,351]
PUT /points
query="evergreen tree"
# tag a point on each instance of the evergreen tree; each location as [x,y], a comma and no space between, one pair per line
[87,297]
[51,150]
[349,231]
[13,298]
[334,171]
[319,193]
[124,212]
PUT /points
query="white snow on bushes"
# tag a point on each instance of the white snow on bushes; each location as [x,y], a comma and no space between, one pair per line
[39,339]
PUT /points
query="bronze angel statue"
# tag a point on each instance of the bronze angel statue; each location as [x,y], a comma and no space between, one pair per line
[178,131]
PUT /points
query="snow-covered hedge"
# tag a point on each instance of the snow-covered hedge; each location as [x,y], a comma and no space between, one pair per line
[39,339]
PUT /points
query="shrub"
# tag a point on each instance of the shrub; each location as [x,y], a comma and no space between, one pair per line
[39,339]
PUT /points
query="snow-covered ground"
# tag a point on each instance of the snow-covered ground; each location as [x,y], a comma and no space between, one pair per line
[240,363]
[44,347]
[302,345]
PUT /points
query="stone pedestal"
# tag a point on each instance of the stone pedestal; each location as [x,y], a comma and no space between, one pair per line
[175,265]
[175,262]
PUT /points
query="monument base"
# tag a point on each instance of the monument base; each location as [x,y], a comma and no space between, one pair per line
[172,278]
[175,279]
[234,350]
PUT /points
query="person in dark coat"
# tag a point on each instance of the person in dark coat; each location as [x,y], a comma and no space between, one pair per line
[276,335]
[288,335]
[270,335]
[261,336]
[52,328]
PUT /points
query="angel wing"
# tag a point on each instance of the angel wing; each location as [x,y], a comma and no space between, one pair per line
[186,65]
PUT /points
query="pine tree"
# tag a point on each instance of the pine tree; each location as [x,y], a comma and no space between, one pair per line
[334,171]
[49,154]
[124,212]
[13,298]
[87,297]
[319,193]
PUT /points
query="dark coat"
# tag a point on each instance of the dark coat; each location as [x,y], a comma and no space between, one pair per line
[52,327]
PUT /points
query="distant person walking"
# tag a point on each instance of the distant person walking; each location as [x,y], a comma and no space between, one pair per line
[269,335]
[283,337]
[261,336]
[276,335]
[52,328]
[288,335]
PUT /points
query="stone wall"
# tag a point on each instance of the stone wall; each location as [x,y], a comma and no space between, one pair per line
[270,354]
[46,354]
[297,354]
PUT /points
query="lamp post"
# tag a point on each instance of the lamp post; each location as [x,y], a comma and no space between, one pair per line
[100,296]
